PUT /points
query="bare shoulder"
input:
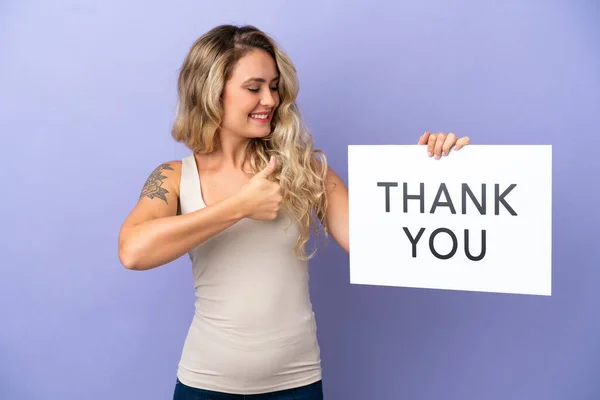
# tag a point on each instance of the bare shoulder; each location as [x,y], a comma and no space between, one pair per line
[163,182]
[159,195]
[337,210]
[333,182]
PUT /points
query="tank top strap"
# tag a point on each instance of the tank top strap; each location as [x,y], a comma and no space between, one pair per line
[190,193]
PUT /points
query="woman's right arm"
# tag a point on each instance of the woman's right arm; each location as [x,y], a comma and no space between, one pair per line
[153,234]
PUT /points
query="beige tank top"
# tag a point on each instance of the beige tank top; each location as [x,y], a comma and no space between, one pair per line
[253,329]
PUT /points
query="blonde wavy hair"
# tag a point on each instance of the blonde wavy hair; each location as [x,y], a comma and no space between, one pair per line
[301,169]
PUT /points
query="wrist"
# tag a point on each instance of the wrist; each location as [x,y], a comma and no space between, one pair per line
[239,206]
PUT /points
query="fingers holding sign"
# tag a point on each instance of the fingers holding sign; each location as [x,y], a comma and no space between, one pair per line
[440,144]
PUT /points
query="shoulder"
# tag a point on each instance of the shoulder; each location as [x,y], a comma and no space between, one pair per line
[331,178]
[331,174]
[333,182]
[164,178]
[168,169]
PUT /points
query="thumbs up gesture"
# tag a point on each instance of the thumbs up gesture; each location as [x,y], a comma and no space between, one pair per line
[260,196]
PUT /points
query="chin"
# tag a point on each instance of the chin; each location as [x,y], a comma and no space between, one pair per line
[258,133]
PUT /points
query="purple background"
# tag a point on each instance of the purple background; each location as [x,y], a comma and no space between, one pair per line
[87,97]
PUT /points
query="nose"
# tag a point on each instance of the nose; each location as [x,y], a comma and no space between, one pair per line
[268,98]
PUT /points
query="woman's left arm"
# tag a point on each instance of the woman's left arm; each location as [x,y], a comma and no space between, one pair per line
[337,221]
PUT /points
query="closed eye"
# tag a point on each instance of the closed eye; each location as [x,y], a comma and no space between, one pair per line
[273,89]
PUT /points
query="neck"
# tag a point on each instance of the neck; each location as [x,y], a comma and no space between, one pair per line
[231,152]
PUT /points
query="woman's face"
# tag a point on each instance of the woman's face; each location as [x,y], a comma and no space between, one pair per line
[250,96]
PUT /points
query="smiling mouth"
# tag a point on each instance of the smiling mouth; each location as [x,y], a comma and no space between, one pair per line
[260,117]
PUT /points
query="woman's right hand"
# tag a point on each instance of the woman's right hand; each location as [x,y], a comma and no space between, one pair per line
[260,197]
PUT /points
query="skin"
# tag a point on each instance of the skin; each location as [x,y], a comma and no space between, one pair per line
[154,233]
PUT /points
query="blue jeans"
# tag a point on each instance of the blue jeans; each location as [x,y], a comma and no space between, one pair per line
[311,392]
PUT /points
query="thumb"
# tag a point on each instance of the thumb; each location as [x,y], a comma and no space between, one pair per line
[268,170]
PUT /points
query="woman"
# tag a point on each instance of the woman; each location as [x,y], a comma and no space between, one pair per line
[243,204]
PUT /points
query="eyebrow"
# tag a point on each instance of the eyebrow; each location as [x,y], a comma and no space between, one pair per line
[258,80]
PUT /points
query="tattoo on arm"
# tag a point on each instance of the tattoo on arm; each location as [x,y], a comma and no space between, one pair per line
[153,186]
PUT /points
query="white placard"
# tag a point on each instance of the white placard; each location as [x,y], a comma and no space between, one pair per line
[420,222]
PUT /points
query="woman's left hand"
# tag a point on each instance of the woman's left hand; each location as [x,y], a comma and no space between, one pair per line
[439,144]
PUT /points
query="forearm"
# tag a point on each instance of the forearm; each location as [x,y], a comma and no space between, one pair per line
[159,241]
